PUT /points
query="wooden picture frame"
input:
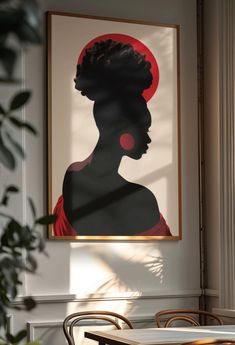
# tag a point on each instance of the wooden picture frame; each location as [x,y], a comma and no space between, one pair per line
[121,207]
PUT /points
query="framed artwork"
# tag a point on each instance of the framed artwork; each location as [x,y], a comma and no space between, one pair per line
[113,129]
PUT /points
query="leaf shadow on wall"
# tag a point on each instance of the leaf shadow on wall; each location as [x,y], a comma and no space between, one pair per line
[122,272]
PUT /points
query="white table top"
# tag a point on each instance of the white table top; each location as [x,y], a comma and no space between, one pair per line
[162,336]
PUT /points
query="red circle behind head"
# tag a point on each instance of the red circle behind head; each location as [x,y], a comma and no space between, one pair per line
[138,46]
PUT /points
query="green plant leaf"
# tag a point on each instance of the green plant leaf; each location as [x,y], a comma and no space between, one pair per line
[20,335]
[10,338]
[29,303]
[6,156]
[2,111]
[11,236]
[30,128]
[26,33]
[13,292]
[31,263]
[5,197]
[4,200]
[21,124]
[29,26]
[19,100]
[12,189]
[9,80]
[46,220]
[8,59]
[33,209]
[14,226]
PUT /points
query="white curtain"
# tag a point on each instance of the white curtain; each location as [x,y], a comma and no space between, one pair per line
[227,152]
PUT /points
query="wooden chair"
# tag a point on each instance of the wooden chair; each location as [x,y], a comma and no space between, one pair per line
[184,315]
[110,317]
[210,342]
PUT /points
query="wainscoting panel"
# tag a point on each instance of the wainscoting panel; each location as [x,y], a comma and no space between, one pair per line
[45,322]
[51,332]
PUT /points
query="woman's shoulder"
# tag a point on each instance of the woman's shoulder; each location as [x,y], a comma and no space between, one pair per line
[141,199]
[143,191]
[78,166]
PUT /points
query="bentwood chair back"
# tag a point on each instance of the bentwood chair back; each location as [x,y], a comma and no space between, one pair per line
[188,315]
[110,317]
[211,342]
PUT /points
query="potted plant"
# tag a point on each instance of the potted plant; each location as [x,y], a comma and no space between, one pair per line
[19,27]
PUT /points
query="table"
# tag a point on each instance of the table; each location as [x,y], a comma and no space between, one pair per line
[161,336]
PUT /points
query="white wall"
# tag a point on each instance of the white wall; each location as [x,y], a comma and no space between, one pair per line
[133,278]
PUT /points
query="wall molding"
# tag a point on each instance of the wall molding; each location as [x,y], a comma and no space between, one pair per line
[32,326]
[65,298]
[211,293]
[9,323]
[224,312]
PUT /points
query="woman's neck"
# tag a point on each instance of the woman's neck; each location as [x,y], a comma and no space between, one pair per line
[105,159]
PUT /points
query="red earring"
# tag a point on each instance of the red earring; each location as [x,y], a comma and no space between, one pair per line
[127,141]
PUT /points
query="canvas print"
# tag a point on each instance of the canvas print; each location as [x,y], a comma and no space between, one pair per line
[102,107]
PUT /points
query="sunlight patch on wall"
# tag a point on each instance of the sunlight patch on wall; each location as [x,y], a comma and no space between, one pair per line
[121,270]
[87,272]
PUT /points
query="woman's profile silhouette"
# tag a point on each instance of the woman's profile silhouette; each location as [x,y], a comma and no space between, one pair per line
[96,199]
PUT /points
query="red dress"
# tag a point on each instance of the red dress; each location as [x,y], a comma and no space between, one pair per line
[62,227]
